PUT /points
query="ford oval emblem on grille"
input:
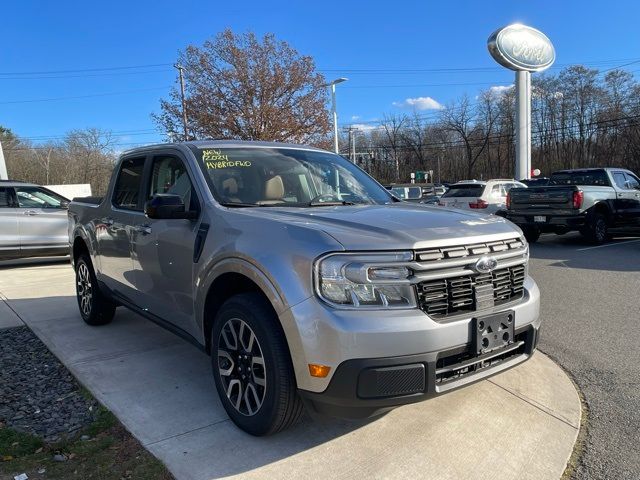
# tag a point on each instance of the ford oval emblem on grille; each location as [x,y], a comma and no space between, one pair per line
[486,265]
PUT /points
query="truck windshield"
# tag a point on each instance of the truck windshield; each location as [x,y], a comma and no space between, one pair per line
[585,177]
[247,177]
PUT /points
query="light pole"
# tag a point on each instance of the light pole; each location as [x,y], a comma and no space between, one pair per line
[333,110]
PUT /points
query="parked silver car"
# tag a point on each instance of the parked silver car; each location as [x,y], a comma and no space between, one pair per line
[33,221]
[306,281]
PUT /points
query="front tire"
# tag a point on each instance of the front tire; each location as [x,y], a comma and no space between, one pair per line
[252,368]
[532,234]
[95,308]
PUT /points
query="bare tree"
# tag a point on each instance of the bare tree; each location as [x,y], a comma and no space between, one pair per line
[461,119]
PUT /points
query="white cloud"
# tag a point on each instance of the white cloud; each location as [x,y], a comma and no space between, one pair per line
[419,103]
[355,117]
[500,89]
[363,127]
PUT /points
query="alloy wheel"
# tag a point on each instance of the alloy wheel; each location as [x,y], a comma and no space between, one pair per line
[84,289]
[241,366]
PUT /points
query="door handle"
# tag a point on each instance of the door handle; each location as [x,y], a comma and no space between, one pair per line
[143,229]
[31,213]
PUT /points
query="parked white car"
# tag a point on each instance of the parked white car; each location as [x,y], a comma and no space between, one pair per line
[482,196]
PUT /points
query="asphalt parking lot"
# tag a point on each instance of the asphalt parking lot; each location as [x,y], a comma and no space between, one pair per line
[591,313]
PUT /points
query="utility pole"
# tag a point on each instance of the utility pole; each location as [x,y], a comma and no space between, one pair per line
[352,142]
[184,105]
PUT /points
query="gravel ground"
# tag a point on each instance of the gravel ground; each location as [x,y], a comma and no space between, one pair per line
[590,311]
[37,393]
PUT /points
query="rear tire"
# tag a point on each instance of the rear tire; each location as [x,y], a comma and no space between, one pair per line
[252,367]
[532,234]
[596,230]
[95,308]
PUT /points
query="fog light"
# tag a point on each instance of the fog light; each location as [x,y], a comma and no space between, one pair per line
[320,371]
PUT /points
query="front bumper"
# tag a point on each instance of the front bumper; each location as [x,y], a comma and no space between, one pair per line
[362,388]
[352,342]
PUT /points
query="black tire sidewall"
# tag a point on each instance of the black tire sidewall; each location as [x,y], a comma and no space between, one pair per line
[593,236]
[267,335]
[102,309]
[84,261]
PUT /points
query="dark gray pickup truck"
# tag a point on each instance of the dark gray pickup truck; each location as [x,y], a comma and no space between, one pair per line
[589,200]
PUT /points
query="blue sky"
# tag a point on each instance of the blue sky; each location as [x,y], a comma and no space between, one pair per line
[67,36]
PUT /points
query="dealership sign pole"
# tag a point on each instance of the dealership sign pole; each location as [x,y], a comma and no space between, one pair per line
[525,50]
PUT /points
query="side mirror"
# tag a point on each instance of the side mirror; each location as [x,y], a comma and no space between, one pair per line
[64,204]
[167,206]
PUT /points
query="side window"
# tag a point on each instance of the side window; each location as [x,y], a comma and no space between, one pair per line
[169,175]
[128,183]
[620,180]
[34,197]
[632,182]
[498,191]
[5,199]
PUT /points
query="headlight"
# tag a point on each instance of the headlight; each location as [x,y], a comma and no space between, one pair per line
[377,280]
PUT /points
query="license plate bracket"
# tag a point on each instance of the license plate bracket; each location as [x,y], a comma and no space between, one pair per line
[539,218]
[493,331]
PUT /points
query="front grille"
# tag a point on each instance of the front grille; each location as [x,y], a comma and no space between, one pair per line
[468,293]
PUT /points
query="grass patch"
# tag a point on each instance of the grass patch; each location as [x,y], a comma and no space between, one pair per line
[111,453]
[16,444]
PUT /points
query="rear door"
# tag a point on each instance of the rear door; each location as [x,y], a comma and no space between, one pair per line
[9,238]
[633,183]
[163,249]
[42,220]
[114,230]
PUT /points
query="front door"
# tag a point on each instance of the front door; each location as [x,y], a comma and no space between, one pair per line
[9,238]
[627,198]
[163,249]
[114,230]
[42,220]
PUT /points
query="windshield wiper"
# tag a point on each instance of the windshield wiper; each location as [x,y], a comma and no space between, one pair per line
[242,205]
[330,204]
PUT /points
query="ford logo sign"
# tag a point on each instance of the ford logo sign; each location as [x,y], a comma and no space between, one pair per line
[486,265]
[519,47]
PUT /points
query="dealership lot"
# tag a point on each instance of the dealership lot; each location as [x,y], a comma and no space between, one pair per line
[590,305]
[161,389]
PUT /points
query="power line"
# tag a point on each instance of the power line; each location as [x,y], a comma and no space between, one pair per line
[75,97]
[82,70]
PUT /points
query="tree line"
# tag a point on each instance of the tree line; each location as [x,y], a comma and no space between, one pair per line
[580,118]
[82,156]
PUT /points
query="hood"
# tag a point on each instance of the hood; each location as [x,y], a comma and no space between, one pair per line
[391,227]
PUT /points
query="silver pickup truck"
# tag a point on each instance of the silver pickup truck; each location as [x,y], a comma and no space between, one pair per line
[591,200]
[306,281]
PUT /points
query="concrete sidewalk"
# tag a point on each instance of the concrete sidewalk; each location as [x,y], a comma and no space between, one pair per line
[521,424]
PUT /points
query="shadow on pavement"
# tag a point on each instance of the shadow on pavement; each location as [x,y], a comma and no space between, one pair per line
[621,254]
[162,390]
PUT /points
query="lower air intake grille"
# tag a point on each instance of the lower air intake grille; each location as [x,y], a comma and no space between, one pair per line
[451,296]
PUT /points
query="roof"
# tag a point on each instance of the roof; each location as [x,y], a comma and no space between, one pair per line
[230,143]
[14,183]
